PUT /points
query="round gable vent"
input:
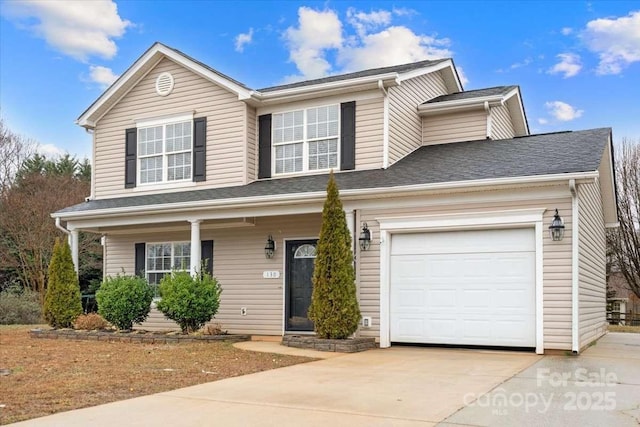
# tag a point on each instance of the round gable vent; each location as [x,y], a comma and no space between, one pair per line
[164,84]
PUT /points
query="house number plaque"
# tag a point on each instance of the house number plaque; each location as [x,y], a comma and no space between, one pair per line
[271,274]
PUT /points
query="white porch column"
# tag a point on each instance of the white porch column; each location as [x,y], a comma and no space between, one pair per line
[73,241]
[350,225]
[195,246]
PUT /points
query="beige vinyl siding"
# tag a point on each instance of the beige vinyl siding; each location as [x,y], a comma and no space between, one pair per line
[591,265]
[556,264]
[192,93]
[369,133]
[454,127]
[252,145]
[238,264]
[501,126]
[405,125]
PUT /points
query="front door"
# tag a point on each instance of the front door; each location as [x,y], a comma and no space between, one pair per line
[299,271]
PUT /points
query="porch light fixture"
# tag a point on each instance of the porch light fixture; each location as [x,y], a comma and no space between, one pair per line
[365,238]
[556,229]
[269,248]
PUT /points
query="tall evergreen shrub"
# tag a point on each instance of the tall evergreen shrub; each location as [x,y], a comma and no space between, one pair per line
[62,302]
[334,305]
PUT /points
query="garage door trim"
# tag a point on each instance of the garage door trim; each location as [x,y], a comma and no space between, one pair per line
[520,218]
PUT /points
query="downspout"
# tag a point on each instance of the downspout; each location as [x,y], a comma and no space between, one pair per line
[72,238]
[575,283]
[488,110]
[385,126]
[64,230]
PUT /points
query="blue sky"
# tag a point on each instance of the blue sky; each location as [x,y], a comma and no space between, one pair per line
[578,63]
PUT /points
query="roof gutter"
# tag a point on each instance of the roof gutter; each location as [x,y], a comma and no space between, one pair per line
[459,105]
[320,196]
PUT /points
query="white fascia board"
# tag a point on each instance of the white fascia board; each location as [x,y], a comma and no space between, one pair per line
[462,104]
[520,114]
[320,195]
[390,79]
[426,70]
[149,55]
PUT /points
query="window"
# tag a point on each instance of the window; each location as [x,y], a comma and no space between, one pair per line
[306,140]
[164,152]
[616,306]
[164,257]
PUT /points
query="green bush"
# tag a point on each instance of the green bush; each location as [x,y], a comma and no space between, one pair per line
[19,307]
[334,307]
[124,300]
[189,301]
[62,302]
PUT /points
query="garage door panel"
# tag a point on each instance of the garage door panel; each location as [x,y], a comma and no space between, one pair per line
[464,297]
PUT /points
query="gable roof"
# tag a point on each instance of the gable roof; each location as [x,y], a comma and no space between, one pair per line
[358,74]
[462,163]
[508,96]
[472,94]
[361,79]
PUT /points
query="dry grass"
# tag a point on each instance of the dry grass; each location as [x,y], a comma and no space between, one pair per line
[621,328]
[49,376]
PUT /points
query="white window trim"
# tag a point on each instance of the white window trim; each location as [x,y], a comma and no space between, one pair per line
[163,121]
[172,243]
[305,142]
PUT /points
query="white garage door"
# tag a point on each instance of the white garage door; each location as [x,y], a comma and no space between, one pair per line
[464,288]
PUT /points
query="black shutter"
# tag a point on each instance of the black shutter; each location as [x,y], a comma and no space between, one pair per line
[206,253]
[348,135]
[264,143]
[130,160]
[140,259]
[199,149]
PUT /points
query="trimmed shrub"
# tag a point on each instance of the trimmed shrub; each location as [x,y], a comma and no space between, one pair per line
[189,301]
[90,322]
[62,302]
[124,300]
[19,307]
[334,307]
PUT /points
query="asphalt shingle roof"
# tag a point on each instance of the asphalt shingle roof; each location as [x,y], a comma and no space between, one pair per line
[469,94]
[364,73]
[535,155]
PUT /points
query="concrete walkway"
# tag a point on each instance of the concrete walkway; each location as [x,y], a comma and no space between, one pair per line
[400,386]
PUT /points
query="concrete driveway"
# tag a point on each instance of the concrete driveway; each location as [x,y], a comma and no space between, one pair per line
[390,387]
[400,386]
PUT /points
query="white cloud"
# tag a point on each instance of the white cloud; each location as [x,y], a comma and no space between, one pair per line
[463,77]
[569,65]
[566,31]
[102,75]
[79,29]
[616,41]
[375,42]
[317,32]
[50,150]
[365,22]
[243,39]
[563,111]
[392,46]
[543,121]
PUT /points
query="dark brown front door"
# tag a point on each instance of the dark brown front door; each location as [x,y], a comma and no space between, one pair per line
[299,271]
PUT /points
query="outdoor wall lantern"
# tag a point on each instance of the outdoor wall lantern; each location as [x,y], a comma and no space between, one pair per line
[269,248]
[556,229]
[365,238]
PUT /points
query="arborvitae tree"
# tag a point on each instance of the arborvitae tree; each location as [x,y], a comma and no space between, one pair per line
[334,305]
[62,303]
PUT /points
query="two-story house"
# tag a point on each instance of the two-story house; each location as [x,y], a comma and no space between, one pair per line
[457,196]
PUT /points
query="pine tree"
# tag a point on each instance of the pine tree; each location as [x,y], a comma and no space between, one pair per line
[62,302]
[334,305]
